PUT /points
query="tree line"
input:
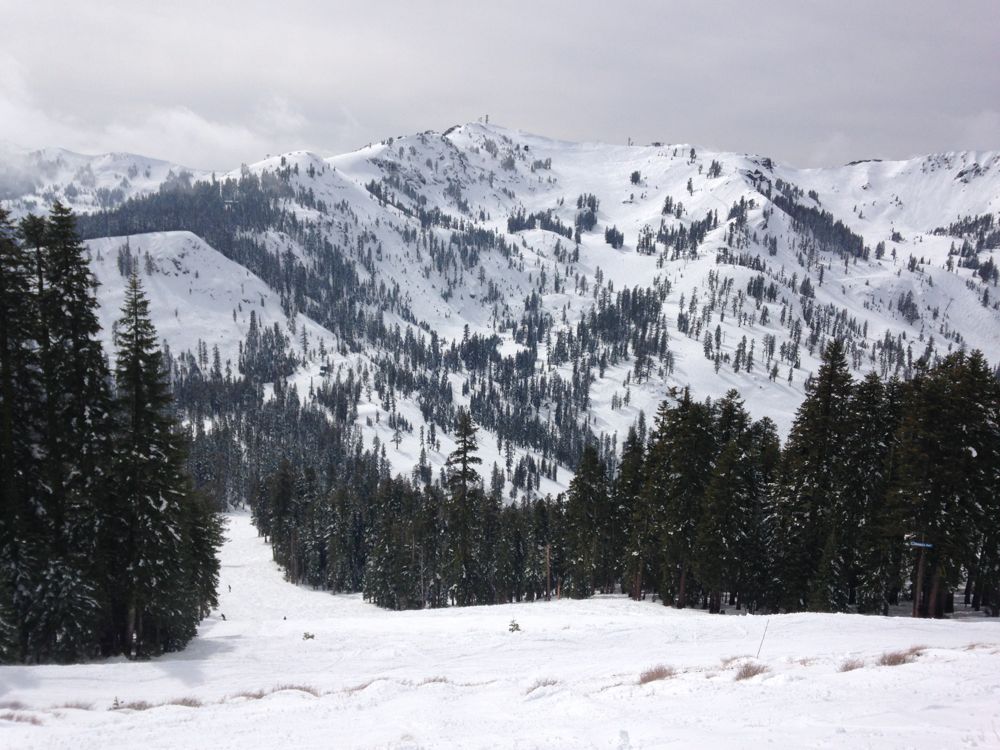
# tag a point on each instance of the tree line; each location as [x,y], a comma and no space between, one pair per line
[104,547]
[705,508]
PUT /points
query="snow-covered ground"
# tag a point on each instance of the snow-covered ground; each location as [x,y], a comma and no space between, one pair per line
[570,678]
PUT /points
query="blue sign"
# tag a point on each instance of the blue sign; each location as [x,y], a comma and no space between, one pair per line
[925,545]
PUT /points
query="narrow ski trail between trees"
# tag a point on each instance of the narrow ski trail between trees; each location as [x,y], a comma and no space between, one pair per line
[291,667]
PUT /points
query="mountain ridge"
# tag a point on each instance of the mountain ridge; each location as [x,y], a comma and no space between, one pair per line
[486,232]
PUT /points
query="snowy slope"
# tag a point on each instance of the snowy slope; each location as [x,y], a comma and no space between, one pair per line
[386,206]
[912,197]
[196,294]
[570,678]
[30,181]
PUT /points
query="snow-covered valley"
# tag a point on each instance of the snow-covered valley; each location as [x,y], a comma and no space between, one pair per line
[292,667]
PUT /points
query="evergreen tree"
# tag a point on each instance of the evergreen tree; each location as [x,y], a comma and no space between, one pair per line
[873,520]
[639,549]
[585,503]
[156,561]
[21,533]
[757,558]
[464,489]
[681,458]
[725,523]
[73,445]
[716,540]
[809,495]
[947,475]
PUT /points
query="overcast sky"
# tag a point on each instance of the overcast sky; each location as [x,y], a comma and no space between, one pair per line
[211,84]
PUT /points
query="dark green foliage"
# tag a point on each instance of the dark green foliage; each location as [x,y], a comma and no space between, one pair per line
[464,488]
[614,238]
[101,537]
[809,495]
[711,512]
[681,457]
[588,523]
[948,458]
[162,539]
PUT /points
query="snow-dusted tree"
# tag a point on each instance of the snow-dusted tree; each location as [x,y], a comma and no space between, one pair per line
[20,534]
[809,495]
[947,475]
[464,487]
[586,504]
[163,539]
[681,457]
[73,444]
[871,525]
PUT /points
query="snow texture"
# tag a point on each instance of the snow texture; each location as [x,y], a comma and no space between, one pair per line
[578,674]
[481,174]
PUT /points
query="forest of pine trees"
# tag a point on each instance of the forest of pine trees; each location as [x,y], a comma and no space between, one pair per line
[705,509]
[104,546]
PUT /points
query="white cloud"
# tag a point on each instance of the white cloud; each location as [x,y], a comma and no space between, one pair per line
[215,84]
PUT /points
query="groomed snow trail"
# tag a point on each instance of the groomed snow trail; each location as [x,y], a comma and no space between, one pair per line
[458,678]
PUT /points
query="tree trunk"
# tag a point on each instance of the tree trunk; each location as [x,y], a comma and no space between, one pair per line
[918,588]
[935,600]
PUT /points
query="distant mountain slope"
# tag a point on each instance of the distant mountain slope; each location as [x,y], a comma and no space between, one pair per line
[557,289]
[32,180]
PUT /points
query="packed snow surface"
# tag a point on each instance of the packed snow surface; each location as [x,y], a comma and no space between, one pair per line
[571,677]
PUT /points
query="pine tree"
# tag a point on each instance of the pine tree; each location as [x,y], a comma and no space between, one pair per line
[680,461]
[727,517]
[871,521]
[464,489]
[829,592]
[757,558]
[586,498]
[10,641]
[809,494]
[156,559]
[947,474]
[639,540]
[716,545]
[74,434]
[21,535]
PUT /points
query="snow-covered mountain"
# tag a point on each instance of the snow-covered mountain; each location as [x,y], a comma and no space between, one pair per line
[32,180]
[578,282]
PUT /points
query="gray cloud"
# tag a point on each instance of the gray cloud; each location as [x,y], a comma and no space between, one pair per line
[213,84]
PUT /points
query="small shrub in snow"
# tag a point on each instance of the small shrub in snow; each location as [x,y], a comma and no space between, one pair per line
[357,688]
[849,665]
[896,658]
[750,669]
[21,718]
[543,682]
[251,695]
[186,702]
[434,680]
[307,636]
[133,705]
[300,688]
[659,672]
